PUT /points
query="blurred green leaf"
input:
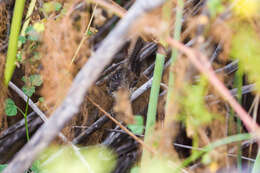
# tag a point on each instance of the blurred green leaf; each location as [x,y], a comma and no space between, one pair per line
[245,47]
[36,80]
[215,7]
[36,166]
[246,8]
[29,29]
[138,127]
[38,27]
[2,167]
[194,111]
[22,39]
[89,33]
[51,6]
[206,159]
[57,6]
[98,160]
[159,164]
[28,90]
[10,107]
[135,169]
[19,57]
[41,99]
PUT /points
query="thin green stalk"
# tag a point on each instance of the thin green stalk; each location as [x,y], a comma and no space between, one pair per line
[238,84]
[210,147]
[153,100]
[177,35]
[13,40]
[25,119]
[152,106]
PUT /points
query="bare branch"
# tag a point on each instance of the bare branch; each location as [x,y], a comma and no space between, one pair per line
[84,79]
[44,118]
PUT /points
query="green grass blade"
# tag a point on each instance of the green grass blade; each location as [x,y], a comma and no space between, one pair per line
[13,40]
[210,147]
[153,100]
[152,106]
[238,84]
[177,35]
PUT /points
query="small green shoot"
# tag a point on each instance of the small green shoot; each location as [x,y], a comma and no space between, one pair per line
[138,127]
[10,107]
[30,84]
[28,89]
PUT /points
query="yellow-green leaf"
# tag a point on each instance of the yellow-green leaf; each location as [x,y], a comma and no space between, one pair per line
[246,47]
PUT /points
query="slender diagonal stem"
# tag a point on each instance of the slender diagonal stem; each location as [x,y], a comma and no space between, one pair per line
[25,119]
[177,34]
[153,101]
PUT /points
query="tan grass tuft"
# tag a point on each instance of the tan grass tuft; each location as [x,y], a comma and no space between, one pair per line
[60,40]
[3,95]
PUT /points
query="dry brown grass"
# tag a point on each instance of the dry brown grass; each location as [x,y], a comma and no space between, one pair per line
[3,95]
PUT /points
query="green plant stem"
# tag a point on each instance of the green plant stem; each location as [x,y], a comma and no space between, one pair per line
[238,84]
[210,147]
[153,100]
[152,106]
[13,40]
[177,35]
[25,119]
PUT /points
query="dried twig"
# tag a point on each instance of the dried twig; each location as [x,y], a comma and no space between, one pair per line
[84,79]
[115,8]
[44,118]
[147,147]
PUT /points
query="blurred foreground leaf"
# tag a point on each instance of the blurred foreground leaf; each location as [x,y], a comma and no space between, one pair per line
[98,160]
[246,48]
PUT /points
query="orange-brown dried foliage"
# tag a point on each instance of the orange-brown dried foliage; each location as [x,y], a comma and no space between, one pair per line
[59,43]
[3,94]
[123,106]
[60,40]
